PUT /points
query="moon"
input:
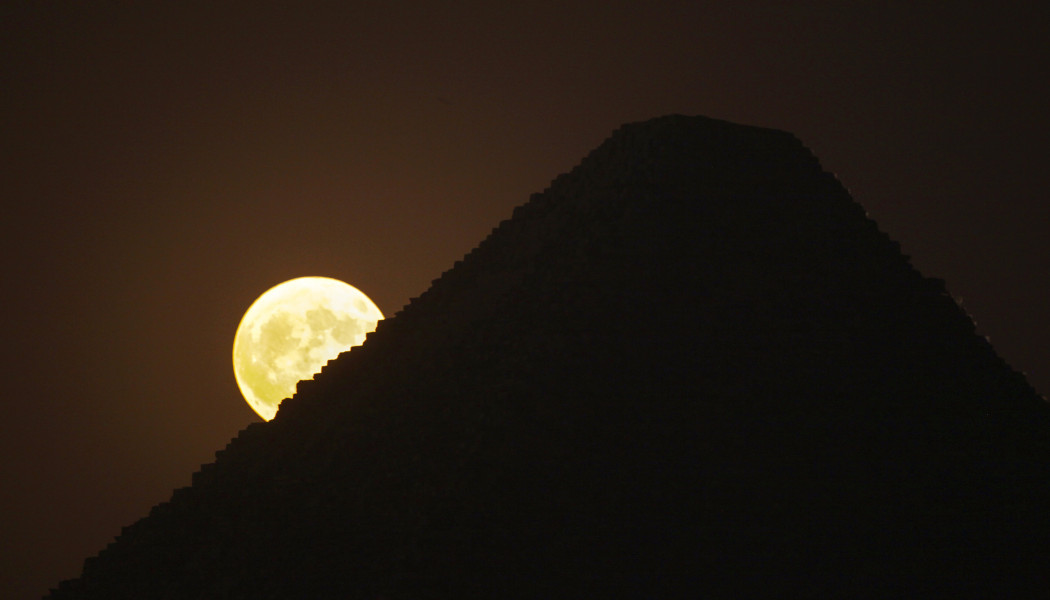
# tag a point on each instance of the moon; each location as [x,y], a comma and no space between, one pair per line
[291,331]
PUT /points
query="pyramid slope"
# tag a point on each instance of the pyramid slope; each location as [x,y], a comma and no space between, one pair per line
[692,364]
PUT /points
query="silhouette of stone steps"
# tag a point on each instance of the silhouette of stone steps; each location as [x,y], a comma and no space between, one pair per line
[692,365]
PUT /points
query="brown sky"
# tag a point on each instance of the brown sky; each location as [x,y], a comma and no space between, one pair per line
[163,165]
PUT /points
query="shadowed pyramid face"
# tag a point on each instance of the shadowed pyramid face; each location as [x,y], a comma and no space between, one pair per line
[691,364]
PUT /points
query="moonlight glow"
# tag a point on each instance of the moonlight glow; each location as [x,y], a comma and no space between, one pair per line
[291,331]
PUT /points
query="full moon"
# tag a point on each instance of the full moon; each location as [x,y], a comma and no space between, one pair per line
[291,331]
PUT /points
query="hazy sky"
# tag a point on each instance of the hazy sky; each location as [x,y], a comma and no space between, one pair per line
[165,163]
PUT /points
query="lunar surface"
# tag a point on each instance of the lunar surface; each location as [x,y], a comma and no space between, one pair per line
[291,331]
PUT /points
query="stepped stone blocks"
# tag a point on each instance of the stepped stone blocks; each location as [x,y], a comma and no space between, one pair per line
[691,367]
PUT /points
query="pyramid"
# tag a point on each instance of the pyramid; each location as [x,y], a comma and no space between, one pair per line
[692,366]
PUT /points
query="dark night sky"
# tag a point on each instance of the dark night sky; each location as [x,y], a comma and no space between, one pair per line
[163,165]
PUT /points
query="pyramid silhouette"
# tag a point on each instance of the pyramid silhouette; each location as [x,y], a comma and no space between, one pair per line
[690,367]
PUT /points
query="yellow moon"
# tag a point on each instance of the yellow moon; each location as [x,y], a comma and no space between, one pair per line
[291,331]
